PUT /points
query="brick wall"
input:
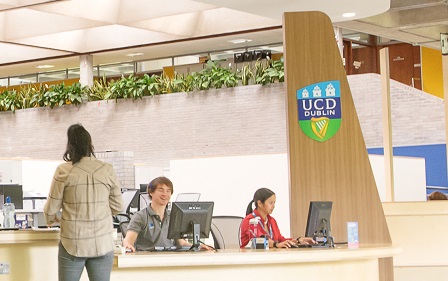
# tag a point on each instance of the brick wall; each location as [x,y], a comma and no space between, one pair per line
[417,117]
[239,121]
[244,120]
[123,163]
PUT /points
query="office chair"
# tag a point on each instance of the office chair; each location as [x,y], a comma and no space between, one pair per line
[123,226]
[185,197]
[225,231]
[119,218]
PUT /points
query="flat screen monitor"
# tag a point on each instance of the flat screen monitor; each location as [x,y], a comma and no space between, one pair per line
[14,191]
[318,223]
[131,200]
[190,220]
[143,188]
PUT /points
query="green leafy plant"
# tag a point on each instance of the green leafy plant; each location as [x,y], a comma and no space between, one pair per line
[55,96]
[246,75]
[276,71]
[100,90]
[10,100]
[150,85]
[185,82]
[26,95]
[38,97]
[126,88]
[74,94]
[261,75]
[201,81]
[180,83]
[212,76]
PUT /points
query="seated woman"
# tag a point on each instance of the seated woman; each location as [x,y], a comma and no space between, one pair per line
[149,227]
[264,200]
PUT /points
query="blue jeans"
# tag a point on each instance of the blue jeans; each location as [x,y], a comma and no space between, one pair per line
[70,267]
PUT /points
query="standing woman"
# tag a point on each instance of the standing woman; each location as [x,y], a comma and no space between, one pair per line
[264,201]
[89,194]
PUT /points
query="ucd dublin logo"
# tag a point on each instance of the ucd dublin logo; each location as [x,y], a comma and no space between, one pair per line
[319,108]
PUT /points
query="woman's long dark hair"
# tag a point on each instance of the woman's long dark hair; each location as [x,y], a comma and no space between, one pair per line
[262,195]
[79,144]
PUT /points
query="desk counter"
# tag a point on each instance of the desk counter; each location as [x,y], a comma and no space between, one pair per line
[32,255]
[29,236]
[340,263]
[419,229]
[29,254]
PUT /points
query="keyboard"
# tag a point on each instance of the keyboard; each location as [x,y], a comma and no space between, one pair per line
[320,245]
[169,249]
[313,246]
[9,228]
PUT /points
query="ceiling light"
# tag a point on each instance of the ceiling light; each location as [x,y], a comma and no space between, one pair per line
[348,15]
[44,66]
[134,55]
[239,41]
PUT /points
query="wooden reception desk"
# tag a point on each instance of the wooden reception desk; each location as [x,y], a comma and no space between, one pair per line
[279,264]
[32,255]
[419,229]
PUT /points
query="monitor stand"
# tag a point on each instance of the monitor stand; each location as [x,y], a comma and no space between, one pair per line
[325,233]
[196,236]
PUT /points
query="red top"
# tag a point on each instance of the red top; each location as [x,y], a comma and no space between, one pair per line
[270,229]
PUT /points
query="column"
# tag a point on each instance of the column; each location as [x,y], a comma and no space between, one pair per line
[86,70]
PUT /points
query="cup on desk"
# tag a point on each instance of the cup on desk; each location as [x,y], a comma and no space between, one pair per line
[262,243]
[123,250]
[119,249]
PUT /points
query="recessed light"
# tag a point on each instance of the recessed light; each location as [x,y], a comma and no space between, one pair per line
[134,55]
[348,15]
[239,41]
[44,66]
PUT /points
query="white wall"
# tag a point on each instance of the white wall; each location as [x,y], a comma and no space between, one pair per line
[409,178]
[37,175]
[231,182]
[10,171]
[144,174]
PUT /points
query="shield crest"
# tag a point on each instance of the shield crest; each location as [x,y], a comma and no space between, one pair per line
[319,108]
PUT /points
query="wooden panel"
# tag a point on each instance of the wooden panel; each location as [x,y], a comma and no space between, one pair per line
[348,56]
[417,67]
[367,56]
[168,71]
[387,125]
[401,60]
[336,170]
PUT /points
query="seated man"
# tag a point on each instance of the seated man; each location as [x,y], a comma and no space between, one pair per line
[148,227]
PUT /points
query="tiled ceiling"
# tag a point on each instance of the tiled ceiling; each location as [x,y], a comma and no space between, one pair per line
[34,32]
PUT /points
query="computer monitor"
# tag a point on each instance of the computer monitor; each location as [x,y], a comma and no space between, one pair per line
[190,220]
[318,223]
[143,188]
[14,191]
[131,199]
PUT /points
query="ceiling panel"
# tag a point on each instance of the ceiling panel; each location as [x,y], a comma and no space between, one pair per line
[110,29]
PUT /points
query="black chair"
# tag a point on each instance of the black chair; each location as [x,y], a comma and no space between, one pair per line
[225,231]
[118,219]
[123,227]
